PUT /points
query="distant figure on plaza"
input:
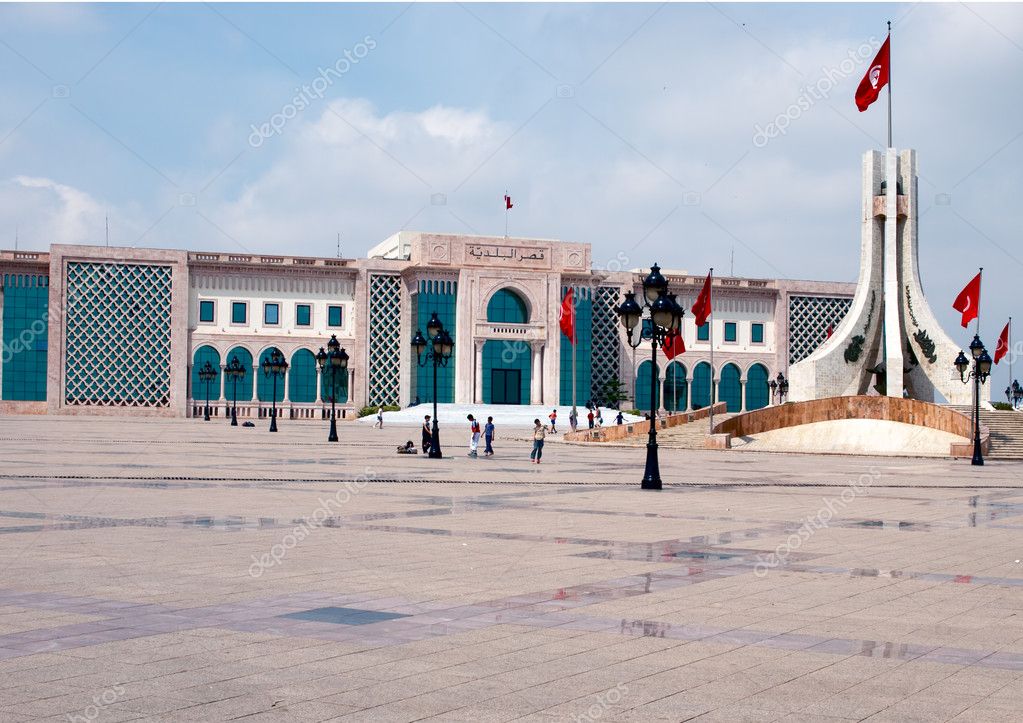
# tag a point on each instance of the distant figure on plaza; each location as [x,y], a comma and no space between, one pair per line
[427,434]
[407,448]
[474,439]
[599,417]
[539,432]
[553,416]
[589,419]
[380,418]
[415,402]
[620,419]
[488,437]
[573,419]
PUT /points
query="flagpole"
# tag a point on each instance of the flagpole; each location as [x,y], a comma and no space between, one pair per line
[889,84]
[1009,352]
[981,275]
[506,211]
[710,335]
[574,340]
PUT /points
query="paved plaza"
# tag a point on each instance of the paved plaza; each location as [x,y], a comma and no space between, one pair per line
[181,570]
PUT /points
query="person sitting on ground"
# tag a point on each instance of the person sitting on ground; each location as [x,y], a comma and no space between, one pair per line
[408,448]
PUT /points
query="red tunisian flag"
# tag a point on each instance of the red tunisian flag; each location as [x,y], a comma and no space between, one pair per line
[673,346]
[701,309]
[875,79]
[567,322]
[507,202]
[1002,347]
[830,330]
[968,301]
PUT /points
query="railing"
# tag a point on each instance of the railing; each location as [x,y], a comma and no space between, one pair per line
[523,332]
[315,411]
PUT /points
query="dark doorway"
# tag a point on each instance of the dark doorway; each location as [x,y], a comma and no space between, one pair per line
[505,386]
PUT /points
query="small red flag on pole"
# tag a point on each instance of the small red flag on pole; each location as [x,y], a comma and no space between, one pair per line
[567,321]
[876,77]
[1002,347]
[701,309]
[507,202]
[968,301]
[673,345]
[830,330]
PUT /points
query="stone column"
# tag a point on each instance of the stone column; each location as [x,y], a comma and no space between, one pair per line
[742,395]
[536,374]
[477,383]
[689,394]
[351,384]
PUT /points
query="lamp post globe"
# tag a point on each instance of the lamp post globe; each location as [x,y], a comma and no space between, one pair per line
[654,284]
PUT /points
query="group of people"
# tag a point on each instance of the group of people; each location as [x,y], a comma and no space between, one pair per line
[487,431]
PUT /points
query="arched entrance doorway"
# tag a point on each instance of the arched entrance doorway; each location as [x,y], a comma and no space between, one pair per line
[506,363]
[756,387]
[643,381]
[701,385]
[731,388]
[676,388]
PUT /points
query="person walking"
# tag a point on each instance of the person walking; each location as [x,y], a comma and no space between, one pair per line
[589,418]
[539,432]
[380,418]
[573,419]
[474,439]
[427,435]
[488,437]
[620,419]
[553,416]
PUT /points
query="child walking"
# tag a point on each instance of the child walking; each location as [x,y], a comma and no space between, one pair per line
[488,437]
[474,440]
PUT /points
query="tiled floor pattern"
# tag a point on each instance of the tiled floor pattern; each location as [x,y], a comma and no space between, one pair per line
[563,597]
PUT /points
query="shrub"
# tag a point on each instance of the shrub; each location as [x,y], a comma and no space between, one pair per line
[367,411]
[1002,406]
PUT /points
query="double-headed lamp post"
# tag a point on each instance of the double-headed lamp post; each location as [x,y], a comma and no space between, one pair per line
[334,359]
[274,365]
[979,374]
[437,350]
[235,371]
[207,373]
[665,321]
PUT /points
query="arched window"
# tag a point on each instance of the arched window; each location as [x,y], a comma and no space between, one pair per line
[643,381]
[202,355]
[676,388]
[701,385]
[244,386]
[265,385]
[341,389]
[302,377]
[757,390]
[731,388]
[508,307]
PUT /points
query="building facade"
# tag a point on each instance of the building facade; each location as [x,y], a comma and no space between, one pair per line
[106,330]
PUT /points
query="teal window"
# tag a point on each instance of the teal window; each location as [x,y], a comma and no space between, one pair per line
[731,331]
[243,386]
[202,355]
[265,385]
[731,388]
[643,381]
[334,316]
[757,333]
[239,312]
[25,330]
[703,332]
[302,377]
[701,385]
[206,311]
[271,314]
[440,297]
[508,307]
[583,298]
[303,315]
[757,390]
[676,388]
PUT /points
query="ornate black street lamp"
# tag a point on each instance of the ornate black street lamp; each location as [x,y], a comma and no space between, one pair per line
[979,374]
[439,352]
[782,386]
[274,365]
[665,321]
[235,371]
[207,373]
[334,360]
[1017,394]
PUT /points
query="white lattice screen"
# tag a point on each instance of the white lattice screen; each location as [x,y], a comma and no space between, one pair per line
[384,339]
[809,318]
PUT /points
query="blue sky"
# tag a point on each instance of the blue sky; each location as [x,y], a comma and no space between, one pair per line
[627,126]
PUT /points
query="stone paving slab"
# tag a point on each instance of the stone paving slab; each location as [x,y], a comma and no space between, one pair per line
[172,570]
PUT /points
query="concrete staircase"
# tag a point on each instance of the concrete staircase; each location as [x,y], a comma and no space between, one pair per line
[1006,431]
[684,436]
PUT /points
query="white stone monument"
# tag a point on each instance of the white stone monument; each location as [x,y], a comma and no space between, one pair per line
[890,340]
